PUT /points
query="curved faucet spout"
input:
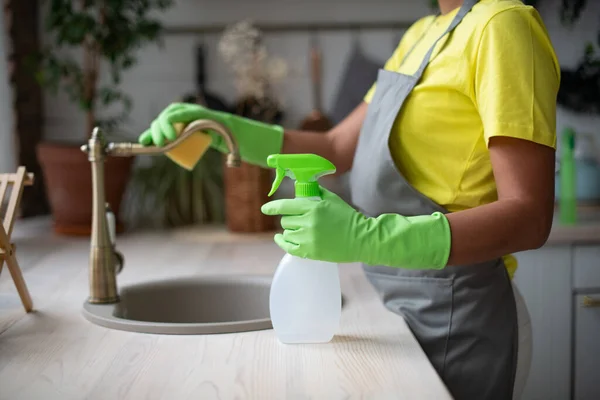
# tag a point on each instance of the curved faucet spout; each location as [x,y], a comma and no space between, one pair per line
[105,261]
[132,149]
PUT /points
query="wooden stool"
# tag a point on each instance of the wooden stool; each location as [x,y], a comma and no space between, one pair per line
[7,249]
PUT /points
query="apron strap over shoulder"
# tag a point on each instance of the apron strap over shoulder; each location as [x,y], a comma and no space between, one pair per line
[464,9]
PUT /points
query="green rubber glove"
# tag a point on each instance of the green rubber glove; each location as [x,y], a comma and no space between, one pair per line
[256,140]
[331,230]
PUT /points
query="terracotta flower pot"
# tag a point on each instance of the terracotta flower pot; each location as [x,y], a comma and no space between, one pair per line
[68,179]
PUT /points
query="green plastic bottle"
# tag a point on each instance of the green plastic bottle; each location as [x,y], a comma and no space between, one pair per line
[568,179]
[305,298]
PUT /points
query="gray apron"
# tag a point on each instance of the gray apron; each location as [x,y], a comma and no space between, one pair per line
[464,316]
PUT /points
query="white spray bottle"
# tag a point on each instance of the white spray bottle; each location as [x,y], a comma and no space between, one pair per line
[305,300]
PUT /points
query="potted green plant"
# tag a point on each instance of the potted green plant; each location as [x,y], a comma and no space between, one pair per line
[105,34]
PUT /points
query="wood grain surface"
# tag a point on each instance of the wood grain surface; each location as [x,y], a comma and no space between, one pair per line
[54,353]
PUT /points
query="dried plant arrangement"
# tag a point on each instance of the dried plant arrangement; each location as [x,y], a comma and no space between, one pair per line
[256,72]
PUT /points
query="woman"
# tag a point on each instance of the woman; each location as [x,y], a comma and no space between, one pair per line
[452,156]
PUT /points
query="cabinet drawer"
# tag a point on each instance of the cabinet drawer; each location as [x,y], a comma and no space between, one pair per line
[587,347]
[586,268]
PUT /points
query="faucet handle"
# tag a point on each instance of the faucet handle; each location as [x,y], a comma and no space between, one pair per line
[119,261]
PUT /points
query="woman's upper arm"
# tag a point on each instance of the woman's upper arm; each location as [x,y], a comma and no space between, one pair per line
[516,82]
[524,172]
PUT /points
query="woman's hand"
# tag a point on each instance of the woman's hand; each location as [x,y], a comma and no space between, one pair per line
[326,230]
[331,230]
[255,140]
[162,128]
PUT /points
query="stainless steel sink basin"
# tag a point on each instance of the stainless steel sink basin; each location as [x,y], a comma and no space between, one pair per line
[195,305]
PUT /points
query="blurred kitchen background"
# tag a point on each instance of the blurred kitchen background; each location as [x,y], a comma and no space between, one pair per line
[191,60]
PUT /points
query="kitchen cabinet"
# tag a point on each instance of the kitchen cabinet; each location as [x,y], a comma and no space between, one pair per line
[587,347]
[586,268]
[544,279]
[560,284]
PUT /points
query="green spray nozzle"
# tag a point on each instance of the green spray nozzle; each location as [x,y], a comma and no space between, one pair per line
[568,141]
[305,169]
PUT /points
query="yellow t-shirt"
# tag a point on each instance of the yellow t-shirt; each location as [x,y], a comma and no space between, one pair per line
[497,75]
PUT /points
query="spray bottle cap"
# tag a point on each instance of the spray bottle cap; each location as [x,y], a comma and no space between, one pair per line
[305,169]
[568,140]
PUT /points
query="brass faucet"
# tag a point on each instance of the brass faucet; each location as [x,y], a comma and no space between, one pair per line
[105,261]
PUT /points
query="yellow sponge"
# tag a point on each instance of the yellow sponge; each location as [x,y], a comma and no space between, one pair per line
[190,151]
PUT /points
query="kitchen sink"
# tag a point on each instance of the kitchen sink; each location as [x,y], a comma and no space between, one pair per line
[184,306]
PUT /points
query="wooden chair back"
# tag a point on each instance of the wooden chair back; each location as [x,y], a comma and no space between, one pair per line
[12,185]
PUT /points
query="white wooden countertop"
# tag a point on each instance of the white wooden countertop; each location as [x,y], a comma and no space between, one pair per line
[54,353]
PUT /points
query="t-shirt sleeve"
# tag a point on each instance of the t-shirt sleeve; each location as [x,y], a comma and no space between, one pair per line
[516,78]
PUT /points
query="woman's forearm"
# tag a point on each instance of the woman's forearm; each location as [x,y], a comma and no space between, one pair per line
[497,229]
[320,143]
[337,145]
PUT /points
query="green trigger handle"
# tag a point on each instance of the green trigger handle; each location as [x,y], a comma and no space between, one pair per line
[304,169]
[279,175]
